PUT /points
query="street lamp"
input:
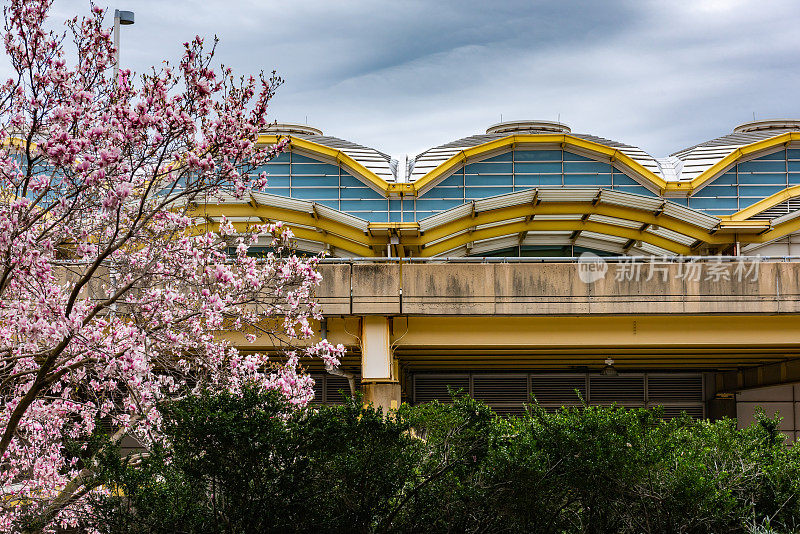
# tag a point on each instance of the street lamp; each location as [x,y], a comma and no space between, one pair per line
[124,18]
[609,369]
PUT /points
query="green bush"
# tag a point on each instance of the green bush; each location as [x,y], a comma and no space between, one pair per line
[602,469]
[252,464]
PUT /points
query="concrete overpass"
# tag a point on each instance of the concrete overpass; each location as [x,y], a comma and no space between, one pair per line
[733,320]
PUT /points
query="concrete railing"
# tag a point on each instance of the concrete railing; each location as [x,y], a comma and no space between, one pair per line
[727,286]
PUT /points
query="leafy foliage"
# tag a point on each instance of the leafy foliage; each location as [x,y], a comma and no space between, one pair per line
[249,463]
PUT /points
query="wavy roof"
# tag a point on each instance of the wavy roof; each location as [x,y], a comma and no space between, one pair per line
[677,176]
[683,165]
[376,161]
[433,157]
[593,217]
[695,160]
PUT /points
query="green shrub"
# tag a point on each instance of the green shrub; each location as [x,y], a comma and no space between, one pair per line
[625,470]
[253,464]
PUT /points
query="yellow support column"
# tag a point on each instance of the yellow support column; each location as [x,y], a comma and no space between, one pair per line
[379,375]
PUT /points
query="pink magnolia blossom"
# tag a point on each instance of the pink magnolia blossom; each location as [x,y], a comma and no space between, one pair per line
[110,300]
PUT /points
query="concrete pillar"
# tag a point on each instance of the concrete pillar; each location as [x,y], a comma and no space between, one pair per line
[386,395]
[379,370]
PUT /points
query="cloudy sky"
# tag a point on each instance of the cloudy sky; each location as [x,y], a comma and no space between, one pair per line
[405,75]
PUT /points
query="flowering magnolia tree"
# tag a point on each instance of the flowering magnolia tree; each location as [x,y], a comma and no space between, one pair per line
[111,301]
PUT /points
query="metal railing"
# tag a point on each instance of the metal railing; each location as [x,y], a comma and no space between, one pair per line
[567,259]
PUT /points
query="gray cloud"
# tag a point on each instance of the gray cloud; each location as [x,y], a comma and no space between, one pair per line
[406,75]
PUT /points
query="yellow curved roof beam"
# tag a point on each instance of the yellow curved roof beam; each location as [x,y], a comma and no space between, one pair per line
[566,208]
[268,213]
[781,230]
[765,204]
[521,218]
[771,233]
[304,233]
[565,140]
[534,225]
[732,158]
[372,179]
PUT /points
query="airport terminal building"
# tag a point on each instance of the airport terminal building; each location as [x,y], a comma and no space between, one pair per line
[533,261]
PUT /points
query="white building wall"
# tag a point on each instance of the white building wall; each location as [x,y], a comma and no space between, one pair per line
[785,246]
[783,400]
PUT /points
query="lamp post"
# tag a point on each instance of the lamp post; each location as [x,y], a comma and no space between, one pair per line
[124,18]
[121,18]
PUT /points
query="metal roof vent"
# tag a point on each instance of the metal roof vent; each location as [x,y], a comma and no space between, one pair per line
[523,126]
[769,124]
[288,128]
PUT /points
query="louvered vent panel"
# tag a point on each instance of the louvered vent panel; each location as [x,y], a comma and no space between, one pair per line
[675,388]
[319,387]
[559,389]
[428,388]
[326,388]
[508,393]
[671,412]
[336,388]
[500,389]
[793,204]
[619,389]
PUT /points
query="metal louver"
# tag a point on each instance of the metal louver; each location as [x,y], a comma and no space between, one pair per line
[783,208]
[330,389]
[507,393]
[616,389]
[500,389]
[561,390]
[434,387]
[675,388]
[319,389]
[337,389]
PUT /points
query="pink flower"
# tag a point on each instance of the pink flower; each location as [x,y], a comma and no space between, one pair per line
[149,321]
